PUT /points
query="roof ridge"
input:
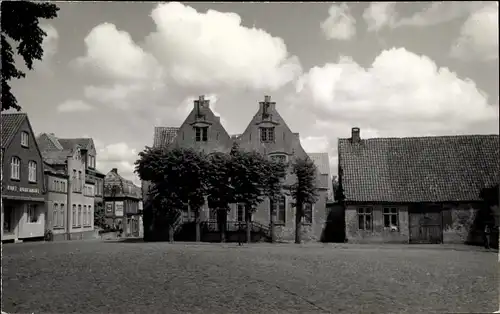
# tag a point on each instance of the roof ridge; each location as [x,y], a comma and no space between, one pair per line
[422,137]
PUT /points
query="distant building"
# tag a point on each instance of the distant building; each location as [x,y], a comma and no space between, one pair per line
[123,204]
[416,189]
[23,199]
[67,162]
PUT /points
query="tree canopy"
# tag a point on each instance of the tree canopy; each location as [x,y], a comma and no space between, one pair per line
[19,24]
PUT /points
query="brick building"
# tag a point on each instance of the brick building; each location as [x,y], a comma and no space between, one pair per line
[266,133]
[418,189]
[23,190]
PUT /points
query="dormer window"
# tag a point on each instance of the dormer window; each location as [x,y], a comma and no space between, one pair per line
[24,139]
[267,134]
[201,133]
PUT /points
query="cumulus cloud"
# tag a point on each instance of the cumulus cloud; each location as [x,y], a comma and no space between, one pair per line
[383,14]
[117,155]
[315,144]
[74,105]
[400,94]
[340,24]
[478,36]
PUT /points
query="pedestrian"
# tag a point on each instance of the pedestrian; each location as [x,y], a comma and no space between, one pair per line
[486,236]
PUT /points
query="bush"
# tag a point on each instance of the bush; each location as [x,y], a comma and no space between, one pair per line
[48,236]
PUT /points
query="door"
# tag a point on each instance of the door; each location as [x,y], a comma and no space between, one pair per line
[426,227]
[8,220]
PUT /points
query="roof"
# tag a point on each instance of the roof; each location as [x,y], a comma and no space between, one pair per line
[321,161]
[164,136]
[56,157]
[48,169]
[419,169]
[10,124]
[125,187]
[70,143]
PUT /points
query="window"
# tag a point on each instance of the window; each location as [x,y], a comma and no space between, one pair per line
[365,221]
[63,187]
[307,218]
[73,181]
[55,216]
[32,213]
[279,158]
[79,218]
[15,168]
[24,139]
[213,215]
[31,171]
[201,134]
[91,216]
[61,215]
[80,182]
[241,212]
[391,217]
[84,215]
[280,215]
[267,135]
[73,215]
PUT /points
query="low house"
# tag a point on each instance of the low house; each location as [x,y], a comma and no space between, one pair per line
[123,204]
[23,199]
[416,189]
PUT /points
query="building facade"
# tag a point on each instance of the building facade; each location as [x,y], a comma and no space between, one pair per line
[69,157]
[123,204]
[268,134]
[57,201]
[23,189]
[416,190]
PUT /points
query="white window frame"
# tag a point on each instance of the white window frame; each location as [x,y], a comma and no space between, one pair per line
[62,214]
[55,215]
[73,215]
[32,171]
[25,136]
[31,213]
[91,217]
[365,212]
[84,215]
[390,212]
[79,217]
[15,168]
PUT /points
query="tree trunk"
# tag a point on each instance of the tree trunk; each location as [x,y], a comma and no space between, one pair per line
[221,216]
[170,233]
[298,223]
[248,216]
[197,219]
[271,224]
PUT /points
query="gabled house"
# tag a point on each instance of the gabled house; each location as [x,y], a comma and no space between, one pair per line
[268,134]
[70,203]
[416,189]
[123,203]
[23,199]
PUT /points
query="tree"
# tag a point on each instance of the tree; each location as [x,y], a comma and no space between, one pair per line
[220,191]
[99,216]
[166,170]
[249,171]
[275,174]
[20,24]
[303,190]
[338,192]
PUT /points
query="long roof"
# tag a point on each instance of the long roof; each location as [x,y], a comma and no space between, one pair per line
[419,169]
[164,136]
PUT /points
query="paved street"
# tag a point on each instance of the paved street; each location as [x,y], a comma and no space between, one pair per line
[110,277]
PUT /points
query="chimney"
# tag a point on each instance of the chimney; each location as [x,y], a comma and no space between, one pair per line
[114,170]
[267,106]
[355,138]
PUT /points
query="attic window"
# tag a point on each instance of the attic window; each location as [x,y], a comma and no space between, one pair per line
[279,157]
[24,139]
[201,133]
[267,135]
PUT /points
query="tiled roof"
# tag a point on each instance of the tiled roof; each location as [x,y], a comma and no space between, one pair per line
[48,142]
[69,143]
[56,157]
[321,161]
[419,169]
[164,136]
[10,123]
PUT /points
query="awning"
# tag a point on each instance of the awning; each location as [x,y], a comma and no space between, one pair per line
[24,198]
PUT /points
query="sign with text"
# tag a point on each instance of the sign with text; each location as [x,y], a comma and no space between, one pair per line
[15,188]
[109,207]
[119,209]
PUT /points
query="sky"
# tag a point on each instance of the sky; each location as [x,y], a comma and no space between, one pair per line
[114,70]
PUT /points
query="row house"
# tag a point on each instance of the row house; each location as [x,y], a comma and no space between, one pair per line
[418,189]
[71,193]
[123,204]
[23,189]
[268,134]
